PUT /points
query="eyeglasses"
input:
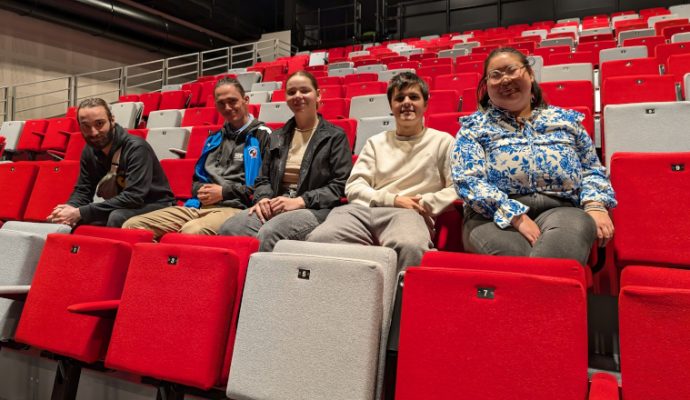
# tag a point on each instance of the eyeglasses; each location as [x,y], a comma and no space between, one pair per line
[511,71]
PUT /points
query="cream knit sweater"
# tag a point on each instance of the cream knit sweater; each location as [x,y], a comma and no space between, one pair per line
[391,165]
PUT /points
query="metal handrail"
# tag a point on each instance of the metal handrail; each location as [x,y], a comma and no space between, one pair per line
[150,74]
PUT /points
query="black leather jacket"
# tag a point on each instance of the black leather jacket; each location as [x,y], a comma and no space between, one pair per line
[325,167]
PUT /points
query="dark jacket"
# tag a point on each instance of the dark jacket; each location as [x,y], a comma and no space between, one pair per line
[236,192]
[139,172]
[325,167]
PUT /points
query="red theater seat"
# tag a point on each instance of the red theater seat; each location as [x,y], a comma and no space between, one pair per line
[633,66]
[334,108]
[363,77]
[16,182]
[653,318]
[569,94]
[180,174]
[455,309]
[445,122]
[443,101]
[637,89]
[176,99]
[152,102]
[131,236]
[364,88]
[54,184]
[458,82]
[662,178]
[73,269]
[200,116]
[32,135]
[58,133]
[349,126]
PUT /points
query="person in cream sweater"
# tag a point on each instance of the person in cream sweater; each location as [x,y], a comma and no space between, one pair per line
[400,182]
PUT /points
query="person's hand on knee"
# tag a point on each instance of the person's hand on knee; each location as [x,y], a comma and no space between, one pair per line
[601,218]
[262,209]
[527,228]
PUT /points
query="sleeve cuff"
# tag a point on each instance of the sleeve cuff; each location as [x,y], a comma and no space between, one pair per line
[507,211]
[389,200]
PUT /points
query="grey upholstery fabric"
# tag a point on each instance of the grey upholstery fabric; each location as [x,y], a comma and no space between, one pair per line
[315,338]
[368,127]
[386,257]
[164,119]
[275,112]
[266,86]
[371,68]
[127,114]
[164,139]
[20,254]
[567,72]
[39,228]
[646,127]
[375,105]
[385,76]
[11,130]
[247,79]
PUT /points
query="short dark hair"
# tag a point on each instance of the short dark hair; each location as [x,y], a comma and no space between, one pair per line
[228,80]
[95,102]
[307,75]
[482,92]
[403,81]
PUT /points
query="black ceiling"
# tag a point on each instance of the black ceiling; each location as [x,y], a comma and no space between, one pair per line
[171,27]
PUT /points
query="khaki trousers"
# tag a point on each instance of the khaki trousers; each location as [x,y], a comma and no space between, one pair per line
[200,221]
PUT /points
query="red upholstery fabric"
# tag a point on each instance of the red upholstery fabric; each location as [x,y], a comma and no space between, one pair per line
[194,89]
[58,132]
[663,51]
[329,80]
[403,64]
[32,135]
[364,88]
[595,38]
[570,58]
[655,231]
[363,77]
[596,47]
[180,174]
[273,72]
[131,236]
[331,91]
[278,95]
[142,132]
[567,269]
[650,41]
[443,101]
[678,65]
[545,52]
[637,89]
[569,94]
[73,269]
[470,66]
[669,31]
[334,108]
[350,128]
[243,248]
[661,27]
[198,137]
[176,99]
[426,62]
[634,66]
[152,102]
[654,338]
[449,229]
[168,333]
[528,342]
[445,122]
[200,116]
[75,146]
[604,387]
[458,82]
[128,98]
[16,182]
[53,186]
[435,70]
[469,100]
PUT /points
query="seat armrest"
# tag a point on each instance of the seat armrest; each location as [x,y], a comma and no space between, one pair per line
[178,152]
[104,308]
[15,292]
[604,387]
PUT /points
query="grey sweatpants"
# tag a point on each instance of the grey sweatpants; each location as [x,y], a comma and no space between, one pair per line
[294,225]
[566,231]
[403,230]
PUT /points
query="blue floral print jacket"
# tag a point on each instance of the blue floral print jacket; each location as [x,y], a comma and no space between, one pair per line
[496,156]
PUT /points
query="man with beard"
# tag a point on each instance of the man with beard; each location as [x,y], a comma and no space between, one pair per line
[138,184]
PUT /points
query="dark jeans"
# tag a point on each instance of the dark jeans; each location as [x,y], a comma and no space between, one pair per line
[566,231]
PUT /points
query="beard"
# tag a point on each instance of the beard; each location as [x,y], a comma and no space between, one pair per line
[101,142]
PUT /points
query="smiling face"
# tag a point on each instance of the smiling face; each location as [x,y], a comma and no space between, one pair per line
[232,105]
[408,105]
[301,95]
[509,83]
[96,127]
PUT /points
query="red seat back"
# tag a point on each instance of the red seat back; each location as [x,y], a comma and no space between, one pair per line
[73,269]
[54,184]
[200,116]
[152,102]
[58,132]
[16,182]
[180,174]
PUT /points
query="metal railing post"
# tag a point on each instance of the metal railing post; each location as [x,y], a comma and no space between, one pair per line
[10,102]
[72,91]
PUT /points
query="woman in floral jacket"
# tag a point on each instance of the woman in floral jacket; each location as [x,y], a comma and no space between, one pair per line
[528,172]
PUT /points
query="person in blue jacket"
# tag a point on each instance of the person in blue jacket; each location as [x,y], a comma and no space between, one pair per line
[224,174]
